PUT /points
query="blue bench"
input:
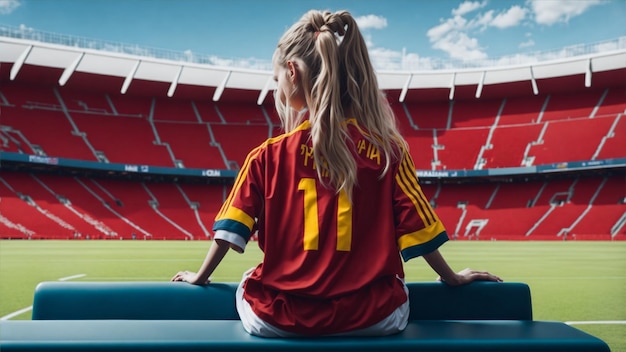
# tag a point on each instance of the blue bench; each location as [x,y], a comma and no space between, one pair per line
[164,316]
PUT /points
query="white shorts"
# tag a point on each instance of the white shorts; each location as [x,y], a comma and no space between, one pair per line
[392,324]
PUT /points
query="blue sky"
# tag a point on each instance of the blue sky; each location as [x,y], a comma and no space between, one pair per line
[421,29]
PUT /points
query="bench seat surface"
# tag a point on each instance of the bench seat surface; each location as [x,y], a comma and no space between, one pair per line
[228,335]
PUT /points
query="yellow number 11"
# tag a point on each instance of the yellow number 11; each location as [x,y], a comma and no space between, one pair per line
[311,224]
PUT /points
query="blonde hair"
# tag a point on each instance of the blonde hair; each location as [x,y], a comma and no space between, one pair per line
[337,78]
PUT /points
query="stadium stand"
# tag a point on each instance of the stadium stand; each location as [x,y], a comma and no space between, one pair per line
[73,208]
[86,101]
[612,145]
[459,148]
[547,152]
[192,144]
[36,140]
[555,210]
[603,213]
[569,140]
[129,105]
[175,111]
[49,203]
[173,204]
[521,110]
[239,140]
[508,145]
[207,112]
[123,139]
[21,219]
[90,200]
[555,136]
[137,204]
[475,113]
[240,114]
[207,200]
[131,316]
[429,115]
[423,148]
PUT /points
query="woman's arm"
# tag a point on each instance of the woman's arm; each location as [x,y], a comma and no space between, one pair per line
[216,253]
[446,274]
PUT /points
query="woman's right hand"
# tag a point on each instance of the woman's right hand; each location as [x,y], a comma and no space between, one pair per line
[468,275]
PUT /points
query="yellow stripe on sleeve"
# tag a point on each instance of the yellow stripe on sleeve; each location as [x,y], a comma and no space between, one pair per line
[240,179]
[420,237]
[407,180]
[238,215]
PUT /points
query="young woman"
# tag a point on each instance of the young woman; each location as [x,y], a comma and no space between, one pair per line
[335,199]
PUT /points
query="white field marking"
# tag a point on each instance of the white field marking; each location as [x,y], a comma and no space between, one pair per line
[129,278]
[571,278]
[29,308]
[597,322]
[72,277]
[16,313]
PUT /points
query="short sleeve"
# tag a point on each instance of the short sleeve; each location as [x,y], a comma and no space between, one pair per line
[240,210]
[419,230]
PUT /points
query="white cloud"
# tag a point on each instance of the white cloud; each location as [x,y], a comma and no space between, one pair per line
[606,46]
[371,21]
[8,6]
[511,18]
[467,7]
[455,24]
[457,35]
[482,20]
[460,46]
[393,60]
[452,36]
[504,19]
[527,44]
[530,42]
[385,59]
[554,11]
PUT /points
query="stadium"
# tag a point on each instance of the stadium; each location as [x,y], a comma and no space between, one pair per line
[110,145]
[128,145]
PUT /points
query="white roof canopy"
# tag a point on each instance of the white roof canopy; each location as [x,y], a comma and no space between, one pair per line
[73,59]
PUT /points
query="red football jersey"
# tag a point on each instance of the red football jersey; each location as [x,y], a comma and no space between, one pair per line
[330,265]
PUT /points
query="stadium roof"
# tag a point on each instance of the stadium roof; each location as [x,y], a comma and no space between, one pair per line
[70,64]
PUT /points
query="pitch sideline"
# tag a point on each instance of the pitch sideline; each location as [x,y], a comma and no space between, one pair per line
[597,322]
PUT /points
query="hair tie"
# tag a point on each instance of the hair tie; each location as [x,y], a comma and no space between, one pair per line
[317,33]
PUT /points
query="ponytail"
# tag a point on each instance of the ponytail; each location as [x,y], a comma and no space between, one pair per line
[338,78]
[328,131]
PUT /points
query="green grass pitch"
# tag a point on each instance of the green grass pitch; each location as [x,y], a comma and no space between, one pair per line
[569,281]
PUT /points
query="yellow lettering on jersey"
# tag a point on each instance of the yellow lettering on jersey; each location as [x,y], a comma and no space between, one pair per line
[344,222]
[373,153]
[307,152]
[361,145]
[311,227]
[367,149]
